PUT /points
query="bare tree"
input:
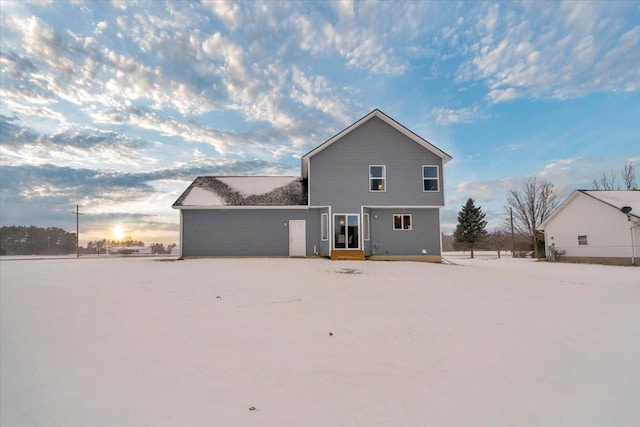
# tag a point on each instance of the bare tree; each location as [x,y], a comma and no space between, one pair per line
[498,241]
[605,182]
[532,202]
[608,182]
[629,177]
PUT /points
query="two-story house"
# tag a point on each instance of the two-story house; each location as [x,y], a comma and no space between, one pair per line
[373,190]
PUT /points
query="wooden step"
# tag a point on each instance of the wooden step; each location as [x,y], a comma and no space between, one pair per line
[347,255]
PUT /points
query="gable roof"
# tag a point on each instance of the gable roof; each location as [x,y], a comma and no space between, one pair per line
[616,199]
[388,120]
[212,192]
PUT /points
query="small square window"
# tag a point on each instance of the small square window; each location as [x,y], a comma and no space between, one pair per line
[402,222]
[582,240]
[377,178]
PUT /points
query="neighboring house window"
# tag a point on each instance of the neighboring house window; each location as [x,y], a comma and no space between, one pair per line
[401,222]
[582,240]
[365,227]
[377,178]
[324,226]
[430,178]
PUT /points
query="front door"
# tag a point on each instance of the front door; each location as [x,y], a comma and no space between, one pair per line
[346,230]
[297,238]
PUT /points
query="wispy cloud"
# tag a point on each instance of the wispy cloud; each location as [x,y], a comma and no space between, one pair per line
[483,190]
[533,50]
[358,35]
[515,147]
[23,145]
[315,92]
[447,116]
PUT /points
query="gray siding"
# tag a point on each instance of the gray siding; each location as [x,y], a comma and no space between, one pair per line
[245,232]
[425,233]
[339,174]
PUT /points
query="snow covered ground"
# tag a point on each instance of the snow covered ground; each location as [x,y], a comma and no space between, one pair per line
[311,342]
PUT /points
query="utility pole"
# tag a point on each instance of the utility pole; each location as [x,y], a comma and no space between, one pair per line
[513,241]
[78,213]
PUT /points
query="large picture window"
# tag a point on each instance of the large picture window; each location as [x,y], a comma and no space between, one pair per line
[430,178]
[377,178]
[402,221]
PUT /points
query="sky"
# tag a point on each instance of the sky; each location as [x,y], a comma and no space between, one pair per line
[116,106]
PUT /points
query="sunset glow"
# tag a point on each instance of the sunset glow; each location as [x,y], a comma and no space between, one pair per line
[118,232]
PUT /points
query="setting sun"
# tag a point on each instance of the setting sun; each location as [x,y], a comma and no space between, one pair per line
[118,232]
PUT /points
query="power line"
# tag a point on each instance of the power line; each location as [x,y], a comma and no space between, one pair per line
[513,240]
[77,214]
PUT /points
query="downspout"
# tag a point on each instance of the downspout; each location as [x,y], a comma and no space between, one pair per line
[633,247]
[440,230]
[634,224]
[181,236]
[626,210]
[361,228]
[330,231]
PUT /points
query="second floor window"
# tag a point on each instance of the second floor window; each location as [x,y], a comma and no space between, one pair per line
[377,178]
[430,179]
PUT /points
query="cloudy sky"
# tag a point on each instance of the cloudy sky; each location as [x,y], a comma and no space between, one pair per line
[117,106]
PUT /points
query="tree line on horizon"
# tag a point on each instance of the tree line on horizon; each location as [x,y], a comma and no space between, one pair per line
[32,240]
[101,246]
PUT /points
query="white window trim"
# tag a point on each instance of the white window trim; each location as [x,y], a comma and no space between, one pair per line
[324,227]
[333,221]
[437,178]
[383,178]
[393,217]
[366,227]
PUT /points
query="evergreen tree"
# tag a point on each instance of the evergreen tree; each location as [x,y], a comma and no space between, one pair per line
[471,226]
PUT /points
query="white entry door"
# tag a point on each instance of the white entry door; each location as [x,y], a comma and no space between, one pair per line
[297,238]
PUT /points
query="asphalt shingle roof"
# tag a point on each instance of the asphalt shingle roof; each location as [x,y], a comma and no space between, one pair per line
[244,191]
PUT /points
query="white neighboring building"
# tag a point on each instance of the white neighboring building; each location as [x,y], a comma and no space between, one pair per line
[592,227]
[130,250]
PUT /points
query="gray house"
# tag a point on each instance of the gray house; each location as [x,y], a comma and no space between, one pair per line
[372,191]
